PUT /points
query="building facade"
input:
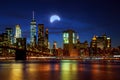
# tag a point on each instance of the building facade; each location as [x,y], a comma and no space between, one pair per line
[9,32]
[21,43]
[3,42]
[46,39]
[69,41]
[17,33]
[41,36]
[101,42]
[80,45]
[33,32]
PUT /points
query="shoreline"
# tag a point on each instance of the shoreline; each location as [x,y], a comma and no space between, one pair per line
[79,61]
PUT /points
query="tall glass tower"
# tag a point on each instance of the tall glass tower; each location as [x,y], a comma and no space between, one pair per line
[17,33]
[33,31]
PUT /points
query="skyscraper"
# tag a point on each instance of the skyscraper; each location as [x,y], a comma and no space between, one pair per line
[33,31]
[69,41]
[17,33]
[46,39]
[9,32]
[41,36]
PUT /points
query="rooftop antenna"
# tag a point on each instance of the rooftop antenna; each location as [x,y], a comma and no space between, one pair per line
[33,15]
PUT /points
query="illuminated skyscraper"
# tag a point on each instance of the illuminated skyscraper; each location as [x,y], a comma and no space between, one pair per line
[46,39]
[9,32]
[17,33]
[33,31]
[69,40]
[41,36]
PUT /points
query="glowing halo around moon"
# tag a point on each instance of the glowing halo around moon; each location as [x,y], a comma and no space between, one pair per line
[54,18]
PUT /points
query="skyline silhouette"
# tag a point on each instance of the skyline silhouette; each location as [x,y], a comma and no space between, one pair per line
[87,18]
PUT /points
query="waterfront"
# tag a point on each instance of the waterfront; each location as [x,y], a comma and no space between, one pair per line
[61,70]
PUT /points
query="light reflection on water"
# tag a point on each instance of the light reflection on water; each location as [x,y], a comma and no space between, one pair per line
[69,70]
[63,70]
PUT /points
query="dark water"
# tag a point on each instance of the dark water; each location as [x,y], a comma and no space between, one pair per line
[63,70]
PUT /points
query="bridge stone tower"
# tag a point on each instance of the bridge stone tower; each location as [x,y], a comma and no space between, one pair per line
[21,49]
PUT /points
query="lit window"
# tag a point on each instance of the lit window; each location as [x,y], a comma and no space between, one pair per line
[65,35]
[73,37]
[66,38]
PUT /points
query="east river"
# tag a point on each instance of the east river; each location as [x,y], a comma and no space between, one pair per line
[62,70]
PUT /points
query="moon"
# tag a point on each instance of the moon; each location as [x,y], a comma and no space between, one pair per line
[54,18]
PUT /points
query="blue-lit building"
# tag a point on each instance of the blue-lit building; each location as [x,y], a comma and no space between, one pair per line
[33,32]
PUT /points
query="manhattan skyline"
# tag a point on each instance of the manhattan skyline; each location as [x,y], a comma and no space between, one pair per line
[87,18]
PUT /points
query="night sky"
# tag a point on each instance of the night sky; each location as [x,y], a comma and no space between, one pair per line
[86,17]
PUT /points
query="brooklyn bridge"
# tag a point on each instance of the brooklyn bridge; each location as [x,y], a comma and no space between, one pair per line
[22,53]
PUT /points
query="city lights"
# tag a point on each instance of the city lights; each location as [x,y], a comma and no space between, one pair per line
[39,47]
